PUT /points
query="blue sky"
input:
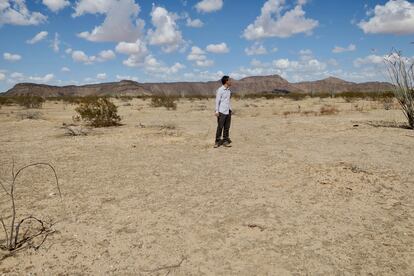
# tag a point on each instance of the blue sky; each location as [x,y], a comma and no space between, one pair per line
[62,42]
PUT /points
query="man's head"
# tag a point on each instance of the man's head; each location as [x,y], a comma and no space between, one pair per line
[226,81]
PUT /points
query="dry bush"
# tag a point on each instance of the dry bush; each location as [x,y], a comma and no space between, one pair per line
[309,113]
[255,114]
[388,124]
[200,97]
[124,98]
[287,113]
[30,115]
[15,237]
[387,103]
[167,129]
[169,126]
[200,107]
[328,110]
[169,102]
[401,73]
[73,130]
[98,112]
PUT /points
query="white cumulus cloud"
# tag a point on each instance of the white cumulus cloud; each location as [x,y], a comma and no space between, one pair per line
[101,76]
[194,23]
[256,49]
[128,48]
[395,17]
[106,55]
[137,52]
[218,48]
[55,43]
[198,56]
[153,66]
[80,56]
[37,38]
[209,5]
[15,12]
[371,59]
[121,22]
[56,5]
[12,57]
[19,77]
[121,77]
[273,23]
[166,33]
[339,49]
[45,79]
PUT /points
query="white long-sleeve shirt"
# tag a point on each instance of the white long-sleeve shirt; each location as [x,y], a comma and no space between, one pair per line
[223,95]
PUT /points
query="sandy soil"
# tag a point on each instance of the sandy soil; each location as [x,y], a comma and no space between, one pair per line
[297,194]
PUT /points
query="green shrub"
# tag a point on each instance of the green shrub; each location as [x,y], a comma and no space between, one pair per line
[98,112]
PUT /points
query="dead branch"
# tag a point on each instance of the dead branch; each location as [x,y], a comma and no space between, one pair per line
[169,267]
[12,239]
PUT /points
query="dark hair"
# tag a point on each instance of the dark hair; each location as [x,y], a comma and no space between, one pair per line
[225,79]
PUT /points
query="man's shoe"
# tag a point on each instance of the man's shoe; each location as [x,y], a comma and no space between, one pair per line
[226,144]
[228,140]
[216,145]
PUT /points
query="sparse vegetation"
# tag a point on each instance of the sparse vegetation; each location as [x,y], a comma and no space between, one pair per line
[5,101]
[401,74]
[169,102]
[98,112]
[28,101]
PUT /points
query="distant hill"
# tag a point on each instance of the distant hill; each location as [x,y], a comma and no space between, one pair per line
[335,85]
[249,85]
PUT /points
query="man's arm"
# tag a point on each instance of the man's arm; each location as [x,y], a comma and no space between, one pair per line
[218,100]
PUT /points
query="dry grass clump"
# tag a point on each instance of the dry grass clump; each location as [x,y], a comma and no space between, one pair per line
[30,115]
[328,110]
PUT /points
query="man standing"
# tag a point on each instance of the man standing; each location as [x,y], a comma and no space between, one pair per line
[223,113]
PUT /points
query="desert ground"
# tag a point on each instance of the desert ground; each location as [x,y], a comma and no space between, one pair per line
[299,193]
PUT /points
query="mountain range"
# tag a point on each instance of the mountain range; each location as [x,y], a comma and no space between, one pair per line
[249,85]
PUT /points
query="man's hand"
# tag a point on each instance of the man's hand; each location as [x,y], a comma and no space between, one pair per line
[217,114]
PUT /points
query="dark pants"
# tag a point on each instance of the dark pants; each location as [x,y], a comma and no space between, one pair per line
[223,126]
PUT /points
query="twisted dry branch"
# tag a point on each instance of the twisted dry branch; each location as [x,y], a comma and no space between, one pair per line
[12,239]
